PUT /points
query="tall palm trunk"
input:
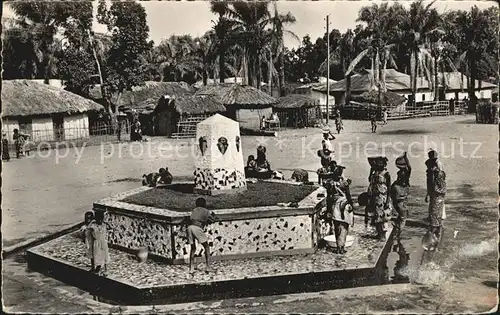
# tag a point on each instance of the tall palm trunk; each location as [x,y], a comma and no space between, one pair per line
[205,76]
[222,62]
[281,66]
[436,81]
[270,71]
[414,65]
[104,93]
[471,85]
[347,82]
[259,71]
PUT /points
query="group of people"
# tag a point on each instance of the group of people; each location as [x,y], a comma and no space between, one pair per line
[383,196]
[258,167]
[19,143]
[384,199]
[136,131]
[162,178]
[94,234]
[266,123]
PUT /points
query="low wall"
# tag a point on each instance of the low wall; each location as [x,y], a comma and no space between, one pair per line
[240,233]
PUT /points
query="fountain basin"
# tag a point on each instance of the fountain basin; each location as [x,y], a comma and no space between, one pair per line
[131,282]
[242,232]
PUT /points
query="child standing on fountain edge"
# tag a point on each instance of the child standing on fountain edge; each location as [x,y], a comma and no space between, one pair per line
[200,217]
[99,244]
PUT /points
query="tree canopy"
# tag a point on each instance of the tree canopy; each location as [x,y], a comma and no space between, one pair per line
[55,40]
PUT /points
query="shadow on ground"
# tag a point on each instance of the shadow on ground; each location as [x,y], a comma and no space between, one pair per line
[406,131]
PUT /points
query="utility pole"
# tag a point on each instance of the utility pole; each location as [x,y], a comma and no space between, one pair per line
[327,68]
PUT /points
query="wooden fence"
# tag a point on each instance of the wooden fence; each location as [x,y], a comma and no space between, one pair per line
[62,137]
[421,109]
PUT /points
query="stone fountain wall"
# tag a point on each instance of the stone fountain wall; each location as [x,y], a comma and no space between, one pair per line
[251,237]
[239,233]
[219,179]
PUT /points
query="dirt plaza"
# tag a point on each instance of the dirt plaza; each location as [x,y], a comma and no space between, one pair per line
[67,181]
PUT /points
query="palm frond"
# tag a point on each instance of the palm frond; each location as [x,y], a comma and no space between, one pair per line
[356,60]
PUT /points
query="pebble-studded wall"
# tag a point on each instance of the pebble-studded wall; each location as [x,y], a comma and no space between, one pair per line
[134,233]
[251,236]
[218,179]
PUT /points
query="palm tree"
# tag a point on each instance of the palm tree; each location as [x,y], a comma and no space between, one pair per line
[205,55]
[343,55]
[422,30]
[382,23]
[476,44]
[278,22]
[222,29]
[250,21]
[38,20]
[20,59]
[175,57]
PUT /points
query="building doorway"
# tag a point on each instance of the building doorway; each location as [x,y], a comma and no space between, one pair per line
[58,125]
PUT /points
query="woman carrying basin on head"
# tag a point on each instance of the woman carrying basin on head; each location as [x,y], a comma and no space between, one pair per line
[339,206]
[378,210]
[436,192]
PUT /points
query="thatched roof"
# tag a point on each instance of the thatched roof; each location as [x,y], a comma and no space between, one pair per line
[295,101]
[458,81]
[151,90]
[237,94]
[193,105]
[361,106]
[388,98]
[28,98]
[362,82]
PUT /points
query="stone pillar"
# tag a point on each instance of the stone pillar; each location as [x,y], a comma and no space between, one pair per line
[219,157]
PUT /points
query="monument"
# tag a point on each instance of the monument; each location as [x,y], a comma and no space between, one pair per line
[219,157]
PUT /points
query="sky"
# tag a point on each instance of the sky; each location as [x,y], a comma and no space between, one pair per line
[166,18]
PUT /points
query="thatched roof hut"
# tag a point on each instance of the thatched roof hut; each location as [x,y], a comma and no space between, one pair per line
[192,105]
[295,101]
[243,96]
[297,110]
[387,99]
[178,116]
[28,98]
[151,90]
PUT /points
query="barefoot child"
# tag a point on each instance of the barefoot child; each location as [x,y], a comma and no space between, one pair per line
[99,241]
[200,217]
[87,236]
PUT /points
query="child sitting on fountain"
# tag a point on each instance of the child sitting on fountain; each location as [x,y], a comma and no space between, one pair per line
[200,217]
[263,167]
[164,177]
[251,167]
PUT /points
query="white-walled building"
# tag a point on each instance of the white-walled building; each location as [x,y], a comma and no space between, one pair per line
[44,112]
[455,86]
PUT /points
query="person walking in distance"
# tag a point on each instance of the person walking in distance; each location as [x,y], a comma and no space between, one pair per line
[373,119]
[200,217]
[338,121]
[385,115]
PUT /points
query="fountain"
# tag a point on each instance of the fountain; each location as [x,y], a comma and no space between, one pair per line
[259,245]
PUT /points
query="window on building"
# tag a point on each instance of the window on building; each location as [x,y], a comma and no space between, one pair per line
[423,97]
[26,125]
